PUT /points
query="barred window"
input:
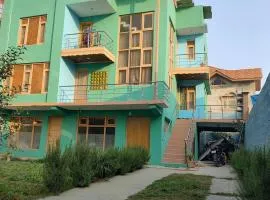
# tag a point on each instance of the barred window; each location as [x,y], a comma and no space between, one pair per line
[97,132]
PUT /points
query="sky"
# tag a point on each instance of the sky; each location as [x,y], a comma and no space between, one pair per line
[239,34]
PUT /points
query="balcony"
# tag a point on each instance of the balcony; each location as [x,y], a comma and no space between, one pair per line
[113,96]
[191,67]
[90,47]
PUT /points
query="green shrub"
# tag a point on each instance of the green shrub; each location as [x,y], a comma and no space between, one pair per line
[80,166]
[56,173]
[254,172]
[131,159]
[106,164]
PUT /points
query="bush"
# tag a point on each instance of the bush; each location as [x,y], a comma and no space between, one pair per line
[107,164]
[80,166]
[254,172]
[56,173]
[131,159]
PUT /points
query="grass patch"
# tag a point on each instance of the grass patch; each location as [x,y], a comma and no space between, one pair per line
[176,187]
[21,180]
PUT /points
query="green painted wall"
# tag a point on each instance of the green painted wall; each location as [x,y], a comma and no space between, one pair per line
[194,15]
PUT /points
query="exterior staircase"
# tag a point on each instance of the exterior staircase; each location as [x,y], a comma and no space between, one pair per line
[175,152]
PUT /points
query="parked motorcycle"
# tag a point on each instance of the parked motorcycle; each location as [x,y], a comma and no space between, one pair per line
[219,156]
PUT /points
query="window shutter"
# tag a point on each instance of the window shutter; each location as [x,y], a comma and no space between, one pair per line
[33,30]
[37,77]
[17,77]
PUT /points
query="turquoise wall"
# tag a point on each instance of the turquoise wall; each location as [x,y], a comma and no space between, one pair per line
[200,50]
[200,99]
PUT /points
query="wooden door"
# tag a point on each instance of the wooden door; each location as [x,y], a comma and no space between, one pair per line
[191,97]
[138,132]
[54,130]
[81,87]
[86,39]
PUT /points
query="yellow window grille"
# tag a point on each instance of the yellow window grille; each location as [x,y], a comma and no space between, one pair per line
[99,80]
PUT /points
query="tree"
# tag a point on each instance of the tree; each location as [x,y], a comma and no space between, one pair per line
[7,60]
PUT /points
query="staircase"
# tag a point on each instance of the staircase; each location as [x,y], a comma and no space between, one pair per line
[175,152]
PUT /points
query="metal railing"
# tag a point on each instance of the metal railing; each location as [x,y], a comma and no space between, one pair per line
[191,60]
[114,93]
[88,40]
[232,112]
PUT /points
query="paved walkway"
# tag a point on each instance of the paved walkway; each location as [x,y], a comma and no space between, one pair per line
[121,187]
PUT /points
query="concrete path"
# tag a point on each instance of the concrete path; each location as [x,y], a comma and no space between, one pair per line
[121,187]
[224,184]
[117,188]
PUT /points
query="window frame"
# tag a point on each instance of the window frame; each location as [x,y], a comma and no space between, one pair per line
[191,44]
[46,68]
[187,91]
[127,69]
[30,78]
[33,125]
[87,125]
[21,24]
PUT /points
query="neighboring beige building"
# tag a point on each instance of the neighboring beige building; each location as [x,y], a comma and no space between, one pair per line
[231,91]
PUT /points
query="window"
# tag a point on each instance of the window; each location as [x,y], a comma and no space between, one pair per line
[191,50]
[99,80]
[135,48]
[28,133]
[229,102]
[45,81]
[97,132]
[187,98]
[218,81]
[27,77]
[32,30]
[30,78]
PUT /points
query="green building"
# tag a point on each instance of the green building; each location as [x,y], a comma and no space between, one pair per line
[104,72]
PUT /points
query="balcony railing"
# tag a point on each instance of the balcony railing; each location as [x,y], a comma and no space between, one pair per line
[191,60]
[200,112]
[88,40]
[114,93]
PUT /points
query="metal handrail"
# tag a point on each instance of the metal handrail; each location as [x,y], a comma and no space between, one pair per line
[216,111]
[196,59]
[88,39]
[114,92]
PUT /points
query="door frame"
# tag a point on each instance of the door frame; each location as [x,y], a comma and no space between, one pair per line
[90,24]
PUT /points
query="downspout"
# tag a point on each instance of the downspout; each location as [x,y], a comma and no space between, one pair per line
[54,15]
